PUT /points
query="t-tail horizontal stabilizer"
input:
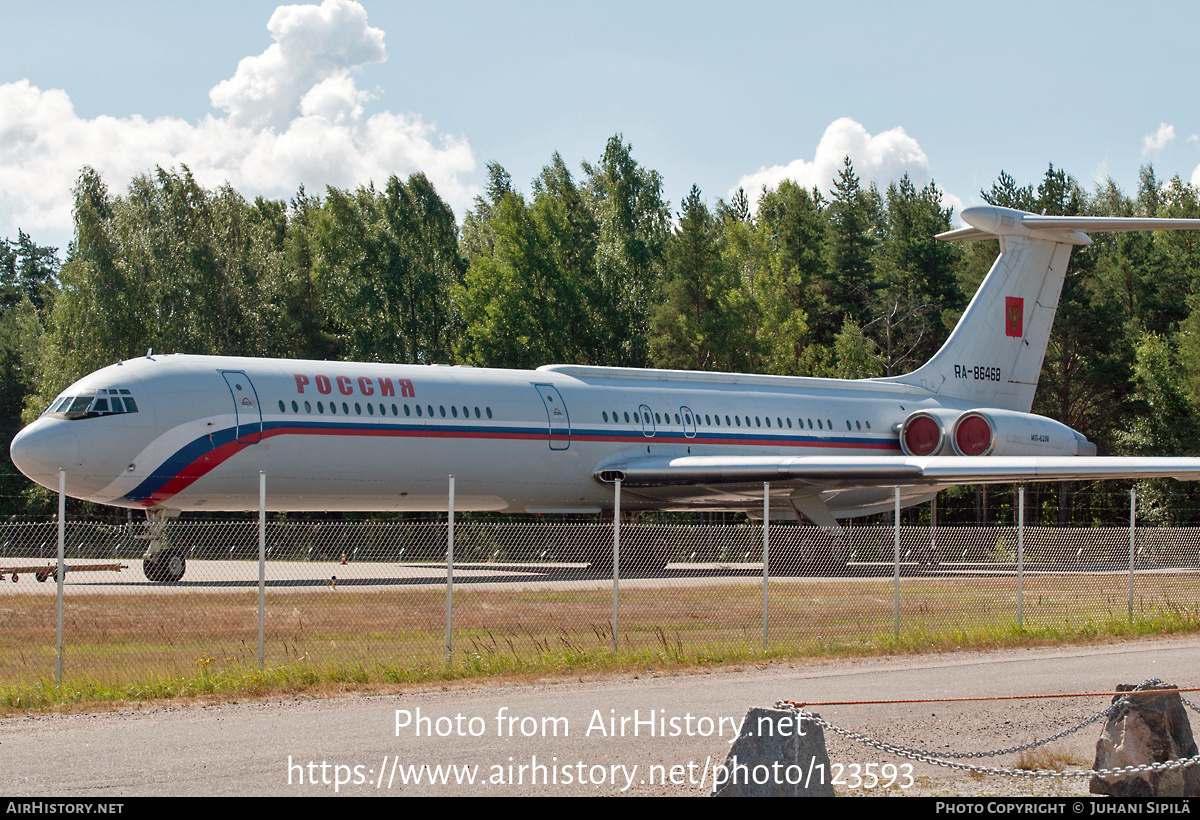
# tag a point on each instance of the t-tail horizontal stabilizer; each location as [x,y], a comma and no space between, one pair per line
[994,356]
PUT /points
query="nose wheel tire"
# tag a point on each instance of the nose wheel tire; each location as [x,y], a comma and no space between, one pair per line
[165,568]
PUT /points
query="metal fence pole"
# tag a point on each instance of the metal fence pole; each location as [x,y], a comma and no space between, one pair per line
[616,557]
[449,571]
[896,580]
[1132,540]
[61,572]
[262,565]
[766,556]
[1020,556]
[933,528]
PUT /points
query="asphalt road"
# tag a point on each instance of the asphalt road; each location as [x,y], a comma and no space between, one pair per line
[564,732]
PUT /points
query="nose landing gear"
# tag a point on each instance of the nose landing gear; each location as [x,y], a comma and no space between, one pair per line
[161,563]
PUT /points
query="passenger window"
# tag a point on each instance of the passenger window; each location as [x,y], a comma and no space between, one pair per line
[357,409]
[295,408]
[489,412]
[476,412]
[307,407]
[320,407]
[281,408]
[454,411]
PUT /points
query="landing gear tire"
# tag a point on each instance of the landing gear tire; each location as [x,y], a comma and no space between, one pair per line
[165,568]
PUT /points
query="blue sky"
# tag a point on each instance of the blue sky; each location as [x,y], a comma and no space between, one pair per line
[714,94]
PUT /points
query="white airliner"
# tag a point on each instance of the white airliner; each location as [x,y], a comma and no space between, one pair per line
[173,432]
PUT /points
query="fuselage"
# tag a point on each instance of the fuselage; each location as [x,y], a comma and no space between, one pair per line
[359,436]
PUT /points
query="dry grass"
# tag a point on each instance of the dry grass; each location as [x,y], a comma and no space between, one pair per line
[1049,760]
[208,641]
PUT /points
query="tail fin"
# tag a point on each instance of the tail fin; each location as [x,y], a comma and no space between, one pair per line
[994,356]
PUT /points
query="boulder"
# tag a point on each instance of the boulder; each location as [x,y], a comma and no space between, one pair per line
[1150,727]
[776,754]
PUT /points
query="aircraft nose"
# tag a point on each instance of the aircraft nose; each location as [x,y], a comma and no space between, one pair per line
[42,448]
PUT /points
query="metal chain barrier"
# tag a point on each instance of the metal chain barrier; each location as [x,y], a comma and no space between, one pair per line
[947,760]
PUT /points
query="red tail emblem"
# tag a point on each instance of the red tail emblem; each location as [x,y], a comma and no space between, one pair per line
[1014,316]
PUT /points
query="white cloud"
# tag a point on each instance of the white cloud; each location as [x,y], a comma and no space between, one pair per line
[1154,143]
[882,158]
[314,45]
[293,115]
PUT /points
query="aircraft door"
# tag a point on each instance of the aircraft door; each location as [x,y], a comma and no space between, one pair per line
[689,421]
[245,406]
[556,415]
[647,421]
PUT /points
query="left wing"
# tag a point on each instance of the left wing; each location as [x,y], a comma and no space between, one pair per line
[882,471]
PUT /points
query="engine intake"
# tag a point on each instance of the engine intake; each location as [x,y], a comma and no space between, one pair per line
[925,432]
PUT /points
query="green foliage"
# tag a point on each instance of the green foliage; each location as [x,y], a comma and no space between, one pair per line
[705,320]
[384,266]
[592,271]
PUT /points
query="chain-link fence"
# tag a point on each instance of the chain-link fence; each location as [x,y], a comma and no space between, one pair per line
[371,597]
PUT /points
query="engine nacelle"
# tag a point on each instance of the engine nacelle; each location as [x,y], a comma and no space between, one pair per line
[993,432]
[989,432]
[927,432]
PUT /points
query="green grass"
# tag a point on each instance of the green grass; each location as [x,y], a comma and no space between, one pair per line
[145,648]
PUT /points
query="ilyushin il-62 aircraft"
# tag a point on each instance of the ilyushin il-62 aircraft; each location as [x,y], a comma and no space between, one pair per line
[170,433]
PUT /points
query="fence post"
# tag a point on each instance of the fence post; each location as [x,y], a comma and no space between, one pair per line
[933,528]
[449,571]
[1020,556]
[766,556]
[896,580]
[262,565]
[1132,540]
[61,572]
[616,557]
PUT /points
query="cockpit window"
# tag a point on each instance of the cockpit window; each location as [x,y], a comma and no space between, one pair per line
[92,403]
